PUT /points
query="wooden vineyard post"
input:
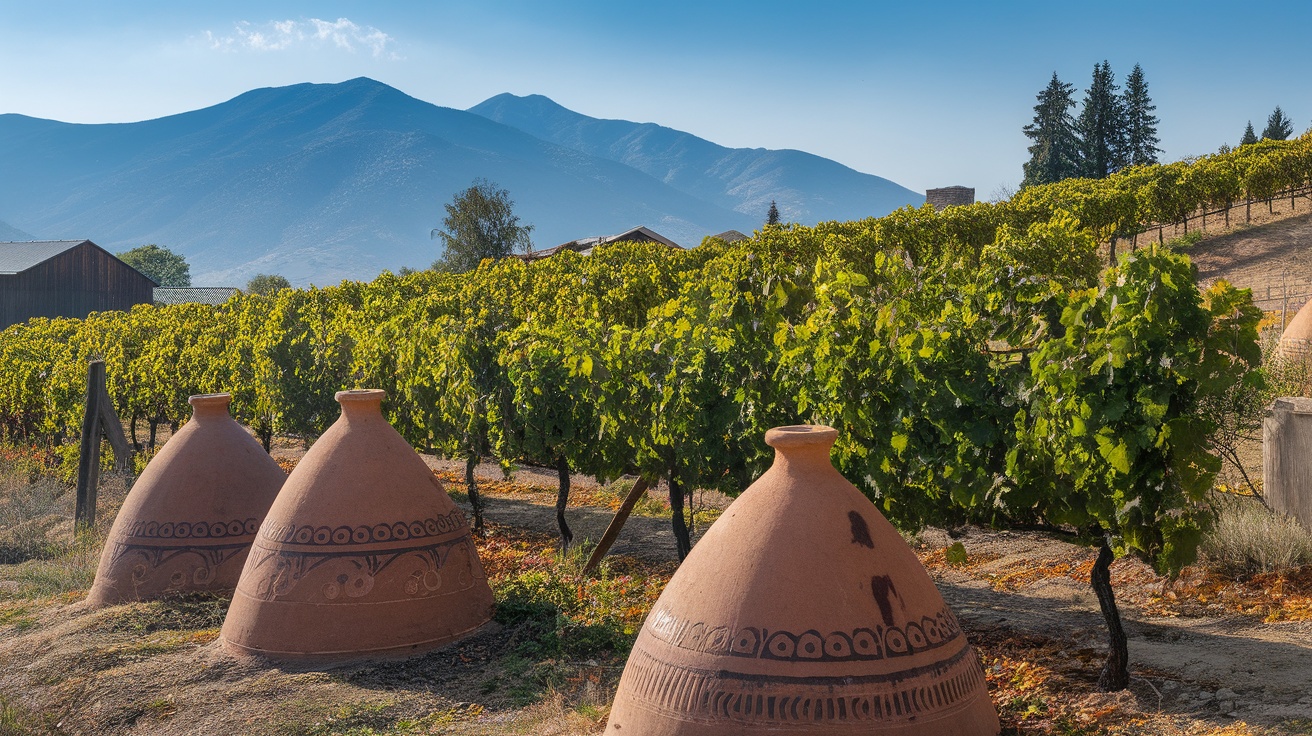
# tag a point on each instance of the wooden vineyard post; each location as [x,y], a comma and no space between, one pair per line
[113,429]
[88,464]
[100,420]
[616,524]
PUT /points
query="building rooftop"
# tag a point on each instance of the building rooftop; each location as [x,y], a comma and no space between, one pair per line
[584,246]
[730,236]
[17,257]
[212,295]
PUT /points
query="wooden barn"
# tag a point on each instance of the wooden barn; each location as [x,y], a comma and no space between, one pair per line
[66,278]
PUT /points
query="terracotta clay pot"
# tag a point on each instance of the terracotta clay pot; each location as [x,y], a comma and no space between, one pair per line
[190,518]
[802,611]
[1296,340]
[362,554]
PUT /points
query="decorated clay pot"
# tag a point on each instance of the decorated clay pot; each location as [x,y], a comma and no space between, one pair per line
[1296,340]
[363,553]
[189,520]
[802,611]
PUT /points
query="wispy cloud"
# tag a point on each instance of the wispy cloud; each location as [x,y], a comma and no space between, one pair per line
[282,35]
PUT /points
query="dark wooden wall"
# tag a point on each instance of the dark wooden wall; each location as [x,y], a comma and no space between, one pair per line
[75,283]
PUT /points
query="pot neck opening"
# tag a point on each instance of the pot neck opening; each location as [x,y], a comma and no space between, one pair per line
[361,403]
[209,406]
[802,443]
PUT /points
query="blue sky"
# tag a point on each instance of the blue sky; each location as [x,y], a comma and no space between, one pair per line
[926,94]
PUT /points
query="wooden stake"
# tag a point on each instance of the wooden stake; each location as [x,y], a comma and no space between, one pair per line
[88,466]
[616,524]
[113,429]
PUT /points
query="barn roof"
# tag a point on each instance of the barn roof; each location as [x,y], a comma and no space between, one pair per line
[730,236]
[584,246]
[17,257]
[212,295]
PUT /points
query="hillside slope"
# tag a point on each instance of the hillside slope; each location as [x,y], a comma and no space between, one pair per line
[9,232]
[318,182]
[806,187]
[1272,258]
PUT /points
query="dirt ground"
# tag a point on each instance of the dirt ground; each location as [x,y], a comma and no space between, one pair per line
[1273,259]
[1220,668]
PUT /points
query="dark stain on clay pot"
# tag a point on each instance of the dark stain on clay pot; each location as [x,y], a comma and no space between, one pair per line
[860,530]
[881,586]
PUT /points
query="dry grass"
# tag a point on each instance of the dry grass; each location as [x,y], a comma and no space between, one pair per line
[45,557]
[35,517]
[1250,539]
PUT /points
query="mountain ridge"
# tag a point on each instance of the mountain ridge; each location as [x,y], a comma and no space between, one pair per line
[320,182]
[10,233]
[743,179]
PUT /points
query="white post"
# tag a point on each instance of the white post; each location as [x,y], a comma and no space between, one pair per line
[1286,462]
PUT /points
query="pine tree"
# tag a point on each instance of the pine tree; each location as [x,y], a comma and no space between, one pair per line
[772,217]
[1055,154]
[1249,136]
[1100,126]
[1278,127]
[1140,122]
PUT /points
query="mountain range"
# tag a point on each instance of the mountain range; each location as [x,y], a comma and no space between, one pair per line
[320,182]
[806,187]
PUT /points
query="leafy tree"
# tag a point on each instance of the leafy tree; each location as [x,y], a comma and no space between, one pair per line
[1249,136]
[267,284]
[1055,154]
[480,223]
[162,265]
[1100,125]
[1140,124]
[772,217]
[1278,126]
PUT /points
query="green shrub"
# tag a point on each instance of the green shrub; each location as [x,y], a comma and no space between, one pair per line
[1186,241]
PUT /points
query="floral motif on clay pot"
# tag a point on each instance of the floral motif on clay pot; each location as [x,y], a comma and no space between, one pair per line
[802,611]
[189,520]
[363,553]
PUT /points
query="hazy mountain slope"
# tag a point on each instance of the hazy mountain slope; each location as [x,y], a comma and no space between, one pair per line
[317,182]
[9,232]
[807,188]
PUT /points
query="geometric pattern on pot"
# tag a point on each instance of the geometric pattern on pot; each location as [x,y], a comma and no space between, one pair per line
[859,701]
[862,644]
[400,531]
[206,545]
[201,530]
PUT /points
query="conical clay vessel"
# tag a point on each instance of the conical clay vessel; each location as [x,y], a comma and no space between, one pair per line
[1296,340]
[362,554]
[189,520]
[802,611]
